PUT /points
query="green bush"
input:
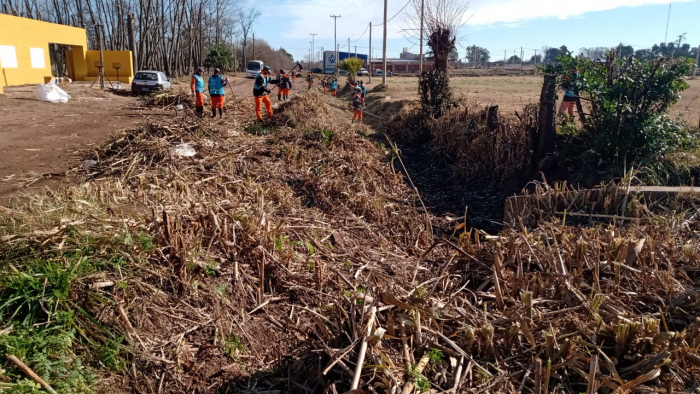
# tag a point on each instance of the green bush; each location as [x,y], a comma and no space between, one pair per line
[352,66]
[626,103]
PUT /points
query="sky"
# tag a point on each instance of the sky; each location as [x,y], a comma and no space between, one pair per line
[498,25]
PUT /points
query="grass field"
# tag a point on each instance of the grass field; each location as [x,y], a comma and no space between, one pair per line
[512,92]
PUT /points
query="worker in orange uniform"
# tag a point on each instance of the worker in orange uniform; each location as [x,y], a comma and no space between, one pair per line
[334,87]
[324,83]
[357,105]
[217,92]
[197,87]
[294,76]
[261,91]
[310,79]
[285,85]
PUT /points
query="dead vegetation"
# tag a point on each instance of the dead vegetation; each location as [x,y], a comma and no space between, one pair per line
[297,260]
[473,139]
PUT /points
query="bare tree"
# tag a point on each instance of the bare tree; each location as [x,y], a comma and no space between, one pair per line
[442,21]
[169,35]
[246,19]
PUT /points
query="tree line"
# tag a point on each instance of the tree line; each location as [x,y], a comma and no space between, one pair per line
[173,36]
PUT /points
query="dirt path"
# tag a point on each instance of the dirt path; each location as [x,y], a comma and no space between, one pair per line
[41,140]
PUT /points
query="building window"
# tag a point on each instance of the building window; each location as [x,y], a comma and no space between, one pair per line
[8,56]
[37,56]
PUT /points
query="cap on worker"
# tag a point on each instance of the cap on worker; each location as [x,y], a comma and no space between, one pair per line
[266,68]
[282,72]
[217,71]
[199,70]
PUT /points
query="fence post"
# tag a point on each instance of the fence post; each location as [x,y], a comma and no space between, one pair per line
[547,126]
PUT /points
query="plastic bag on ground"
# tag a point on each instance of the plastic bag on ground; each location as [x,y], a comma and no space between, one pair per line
[183,150]
[51,93]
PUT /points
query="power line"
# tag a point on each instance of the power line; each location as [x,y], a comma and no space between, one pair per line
[363,34]
[395,15]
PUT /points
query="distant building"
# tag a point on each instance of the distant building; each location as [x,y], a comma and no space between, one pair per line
[329,60]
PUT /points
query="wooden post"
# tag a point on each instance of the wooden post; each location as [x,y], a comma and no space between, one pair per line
[98,32]
[547,126]
[132,42]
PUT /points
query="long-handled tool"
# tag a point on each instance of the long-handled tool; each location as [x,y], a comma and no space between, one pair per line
[234,97]
[293,68]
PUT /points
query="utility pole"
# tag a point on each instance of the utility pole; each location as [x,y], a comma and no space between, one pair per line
[522,55]
[384,47]
[349,47]
[335,40]
[697,59]
[422,7]
[355,51]
[504,59]
[369,53]
[253,45]
[313,40]
[98,31]
[668,19]
[535,57]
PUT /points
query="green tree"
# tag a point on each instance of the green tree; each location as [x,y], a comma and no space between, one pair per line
[628,122]
[219,56]
[477,55]
[352,66]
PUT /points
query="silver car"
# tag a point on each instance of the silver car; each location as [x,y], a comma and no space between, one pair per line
[147,81]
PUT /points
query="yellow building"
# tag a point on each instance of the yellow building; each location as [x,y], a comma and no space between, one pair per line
[24,53]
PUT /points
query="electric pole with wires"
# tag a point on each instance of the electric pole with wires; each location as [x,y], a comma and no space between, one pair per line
[335,40]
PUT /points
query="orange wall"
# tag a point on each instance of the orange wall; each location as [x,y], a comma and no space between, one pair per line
[22,36]
[126,72]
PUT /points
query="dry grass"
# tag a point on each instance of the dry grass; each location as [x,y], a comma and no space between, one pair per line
[273,252]
[464,140]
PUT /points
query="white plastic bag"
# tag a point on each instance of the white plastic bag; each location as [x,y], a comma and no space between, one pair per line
[51,93]
[183,150]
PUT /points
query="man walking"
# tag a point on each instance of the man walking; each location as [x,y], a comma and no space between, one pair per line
[261,91]
[217,83]
[197,87]
[324,83]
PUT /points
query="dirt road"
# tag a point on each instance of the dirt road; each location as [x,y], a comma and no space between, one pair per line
[40,140]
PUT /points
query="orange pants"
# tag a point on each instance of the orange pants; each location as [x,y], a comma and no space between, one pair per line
[258,106]
[325,90]
[334,92]
[567,106]
[357,114]
[294,78]
[217,102]
[284,92]
[199,99]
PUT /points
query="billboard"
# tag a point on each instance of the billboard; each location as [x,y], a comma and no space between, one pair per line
[329,60]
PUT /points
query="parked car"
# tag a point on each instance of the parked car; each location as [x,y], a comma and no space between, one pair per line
[342,73]
[148,81]
[389,73]
[316,70]
[362,72]
[377,72]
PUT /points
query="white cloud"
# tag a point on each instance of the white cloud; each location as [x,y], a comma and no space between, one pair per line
[487,12]
[313,16]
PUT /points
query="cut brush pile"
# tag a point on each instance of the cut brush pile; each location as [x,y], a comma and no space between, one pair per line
[297,260]
[471,138]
